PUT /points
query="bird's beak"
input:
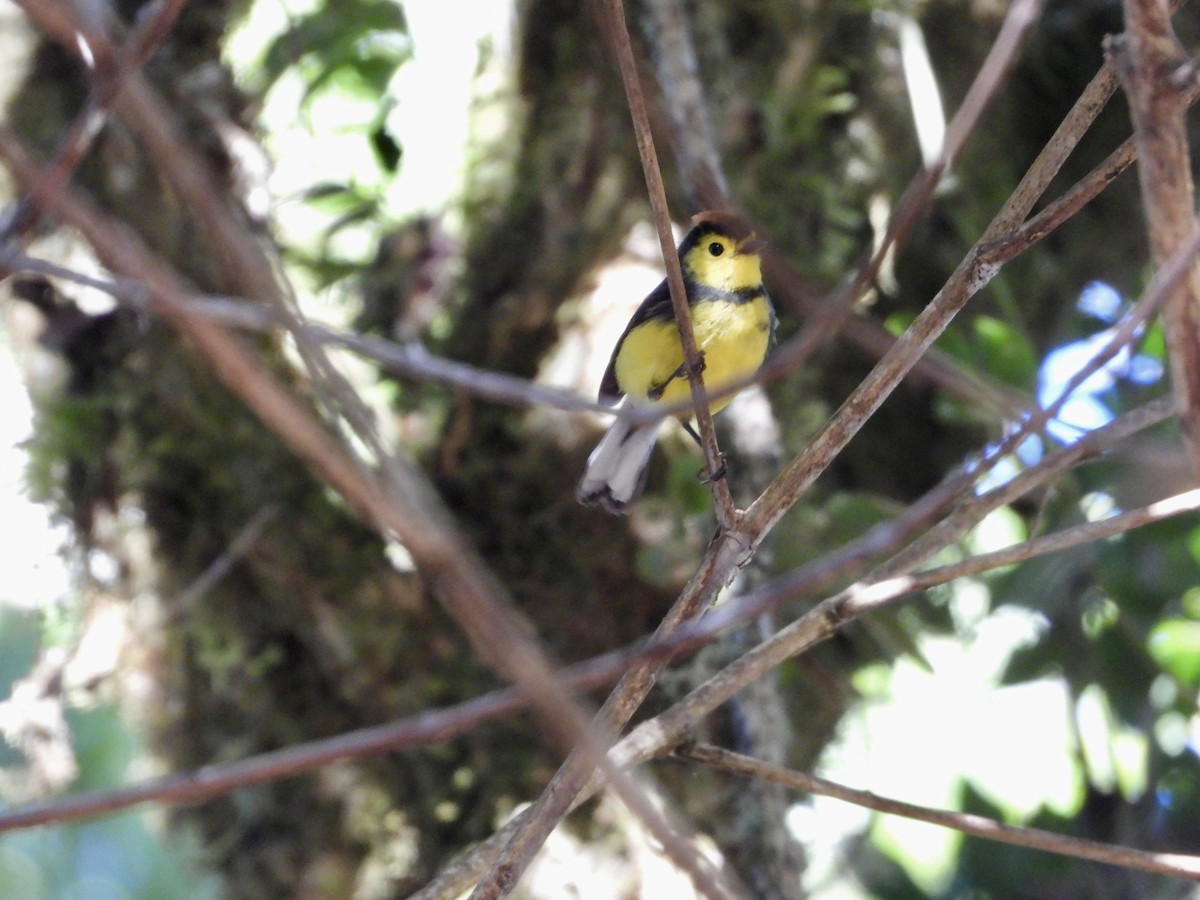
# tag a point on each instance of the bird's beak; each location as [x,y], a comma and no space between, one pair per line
[754,245]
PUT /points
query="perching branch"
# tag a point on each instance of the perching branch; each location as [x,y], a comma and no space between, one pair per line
[617,33]
[531,831]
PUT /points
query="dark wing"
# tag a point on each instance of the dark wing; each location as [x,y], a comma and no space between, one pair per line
[657,305]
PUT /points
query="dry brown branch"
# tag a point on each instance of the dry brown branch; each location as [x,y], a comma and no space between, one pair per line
[934,367]
[889,536]
[1175,864]
[1019,19]
[973,509]
[809,578]
[152,121]
[1054,214]
[430,727]
[618,40]
[1088,533]
[241,545]
[243,260]
[1149,60]
[1075,198]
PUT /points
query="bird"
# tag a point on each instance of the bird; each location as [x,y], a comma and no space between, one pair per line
[734,327]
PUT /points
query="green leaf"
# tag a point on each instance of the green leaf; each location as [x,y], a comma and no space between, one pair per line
[1175,645]
[1004,352]
[337,35]
[1154,344]
[898,321]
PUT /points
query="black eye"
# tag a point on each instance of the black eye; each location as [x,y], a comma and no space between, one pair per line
[716,248]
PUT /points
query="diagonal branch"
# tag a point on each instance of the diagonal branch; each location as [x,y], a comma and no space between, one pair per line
[672,727]
[1176,864]
[618,38]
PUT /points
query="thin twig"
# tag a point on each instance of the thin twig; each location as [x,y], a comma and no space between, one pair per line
[220,567]
[426,728]
[411,358]
[1175,864]
[1063,208]
[618,34]
[1018,21]
[1123,336]
[1075,536]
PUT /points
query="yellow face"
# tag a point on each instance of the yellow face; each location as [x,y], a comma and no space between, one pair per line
[731,320]
[718,261]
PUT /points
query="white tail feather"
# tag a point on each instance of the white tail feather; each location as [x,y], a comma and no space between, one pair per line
[614,474]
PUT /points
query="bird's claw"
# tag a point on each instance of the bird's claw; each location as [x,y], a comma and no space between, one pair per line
[704,478]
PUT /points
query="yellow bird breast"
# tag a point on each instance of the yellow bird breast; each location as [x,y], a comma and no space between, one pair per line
[732,336]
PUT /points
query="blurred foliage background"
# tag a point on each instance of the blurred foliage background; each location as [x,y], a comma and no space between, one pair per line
[467,177]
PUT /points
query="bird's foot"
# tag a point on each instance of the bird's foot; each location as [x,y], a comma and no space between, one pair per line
[705,478]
